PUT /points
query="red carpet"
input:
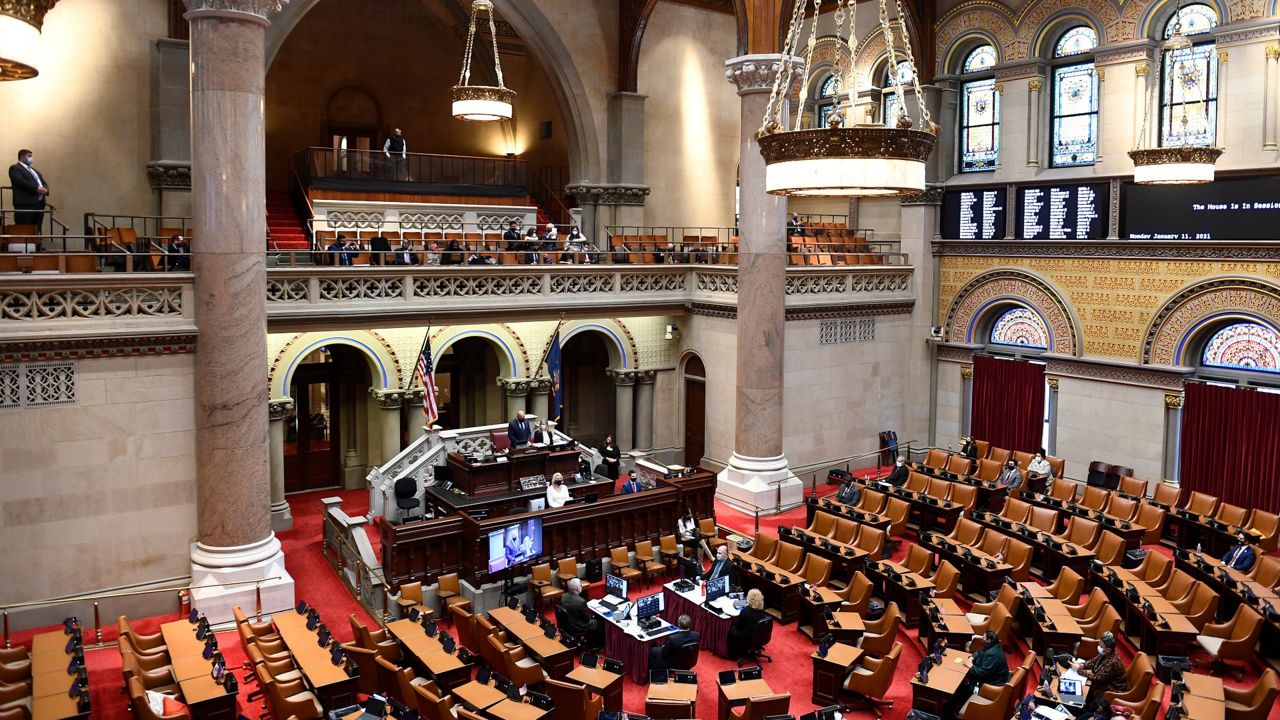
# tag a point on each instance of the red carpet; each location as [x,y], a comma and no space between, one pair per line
[318,584]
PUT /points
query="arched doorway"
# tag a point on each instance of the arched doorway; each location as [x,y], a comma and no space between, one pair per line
[466,377]
[589,397]
[328,389]
[695,410]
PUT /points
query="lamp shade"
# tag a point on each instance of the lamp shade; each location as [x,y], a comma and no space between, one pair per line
[861,161]
[482,102]
[1174,165]
[19,45]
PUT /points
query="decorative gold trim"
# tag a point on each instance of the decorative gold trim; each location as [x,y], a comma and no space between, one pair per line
[1000,88]
[1102,73]
[1173,401]
[854,142]
[31,12]
[966,372]
[1035,85]
[1273,51]
[1141,69]
[1222,56]
[1170,155]
[483,92]
[1053,383]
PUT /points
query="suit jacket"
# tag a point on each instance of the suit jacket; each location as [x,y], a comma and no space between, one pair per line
[1241,561]
[725,570]
[518,431]
[744,625]
[678,639]
[578,616]
[1010,478]
[850,493]
[543,436]
[899,476]
[24,186]
[379,243]
[628,488]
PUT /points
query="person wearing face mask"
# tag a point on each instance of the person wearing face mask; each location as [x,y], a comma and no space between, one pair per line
[1039,471]
[1241,556]
[557,492]
[898,477]
[30,190]
[1010,477]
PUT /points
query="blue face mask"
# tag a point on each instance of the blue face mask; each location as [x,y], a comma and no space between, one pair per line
[28,160]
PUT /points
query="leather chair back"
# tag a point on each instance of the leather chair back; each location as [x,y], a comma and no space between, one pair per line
[1201,504]
[945,580]
[1094,498]
[966,532]
[1062,489]
[1068,585]
[823,524]
[872,540]
[988,470]
[686,657]
[1232,514]
[1167,494]
[1043,519]
[1110,548]
[500,440]
[366,665]
[1131,485]
[918,560]
[789,556]
[763,706]
[999,455]
[958,464]
[1122,507]
[935,458]
[817,570]
[1016,510]
[964,495]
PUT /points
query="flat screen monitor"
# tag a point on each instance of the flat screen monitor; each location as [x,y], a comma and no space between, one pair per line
[1230,209]
[650,605]
[515,544]
[717,587]
[973,214]
[1063,212]
[615,586]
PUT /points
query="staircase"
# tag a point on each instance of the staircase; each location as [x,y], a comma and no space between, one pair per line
[285,230]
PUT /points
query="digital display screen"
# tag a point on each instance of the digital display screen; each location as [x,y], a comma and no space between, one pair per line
[1236,209]
[615,586]
[649,605]
[1063,212]
[717,587]
[515,544]
[973,214]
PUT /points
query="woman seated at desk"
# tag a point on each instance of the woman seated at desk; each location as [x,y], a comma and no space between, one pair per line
[557,492]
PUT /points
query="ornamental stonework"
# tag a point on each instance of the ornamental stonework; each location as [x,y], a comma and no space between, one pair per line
[1171,327]
[1018,286]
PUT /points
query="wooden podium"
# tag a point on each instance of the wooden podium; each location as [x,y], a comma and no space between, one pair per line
[487,478]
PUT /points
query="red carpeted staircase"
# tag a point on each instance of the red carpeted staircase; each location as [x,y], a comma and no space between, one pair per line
[284,228]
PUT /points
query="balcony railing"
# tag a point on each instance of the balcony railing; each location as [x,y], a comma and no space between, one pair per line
[826,246]
[317,166]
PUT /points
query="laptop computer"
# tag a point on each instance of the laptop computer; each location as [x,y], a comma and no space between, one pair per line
[1071,690]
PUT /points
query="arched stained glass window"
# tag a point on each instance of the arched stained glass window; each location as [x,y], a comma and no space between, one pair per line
[828,87]
[1244,346]
[826,100]
[979,114]
[1075,102]
[1077,40]
[895,83]
[1189,82]
[1022,327]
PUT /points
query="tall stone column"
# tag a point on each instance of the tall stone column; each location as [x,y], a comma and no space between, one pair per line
[389,403]
[644,409]
[1269,99]
[1033,121]
[281,515]
[539,399]
[516,392]
[1172,466]
[757,476]
[413,402]
[624,408]
[233,460]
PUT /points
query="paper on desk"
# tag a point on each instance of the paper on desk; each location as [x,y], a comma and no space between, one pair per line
[1071,674]
[1049,713]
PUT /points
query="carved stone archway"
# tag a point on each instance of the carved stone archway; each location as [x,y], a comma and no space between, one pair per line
[989,289]
[1182,316]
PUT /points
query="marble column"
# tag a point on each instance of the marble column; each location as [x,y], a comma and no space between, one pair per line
[624,408]
[539,398]
[516,392]
[281,515]
[1269,97]
[1033,121]
[644,409]
[966,399]
[1052,446]
[1142,104]
[233,460]
[1172,469]
[413,402]
[757,476]
[389,404]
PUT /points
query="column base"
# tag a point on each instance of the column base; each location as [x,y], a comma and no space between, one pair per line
[750,483]
[281,517]
[213,567]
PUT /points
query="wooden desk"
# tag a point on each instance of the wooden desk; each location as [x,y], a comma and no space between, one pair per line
[673,691]
[487,478]
[49,679]
[55,707]
[738,693]
[829,672]
[332,686]
[1204,686]
[429,655]
[478,697]
[1065,632]
[553,655]
[979,573]
[781,596]
[208,700]
[1203,708]
[512,710]
[812,620]
[1230,585]
[606,684]
[847,627]
[944,680]
[905,592]
[180,639]
[1049,554]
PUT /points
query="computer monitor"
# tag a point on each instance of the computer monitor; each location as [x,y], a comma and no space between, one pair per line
[689,569]
[615,586]
[650,605]
[717,587]
[515,544]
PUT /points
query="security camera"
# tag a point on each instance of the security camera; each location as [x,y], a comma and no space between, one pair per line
[935,333]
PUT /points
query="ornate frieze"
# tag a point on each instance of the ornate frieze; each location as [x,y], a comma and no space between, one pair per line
[825,312]
[618,194]
[1123,249]
[66,303]
[169,175]
[90,348]
[1186,311]
[388,399]
[931,195]
[755,73]
[261,8]
[280,408]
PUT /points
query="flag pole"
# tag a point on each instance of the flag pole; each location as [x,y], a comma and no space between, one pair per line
[547,350]
[425,339]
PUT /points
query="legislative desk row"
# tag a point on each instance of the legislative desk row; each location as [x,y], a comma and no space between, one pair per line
[980,573]
[1202,532]
[1051,553]
[205,697]
[1234,589]
[847,544]
[1162,629]
[1130,532]
[501,473]
[425,549]
[54,678]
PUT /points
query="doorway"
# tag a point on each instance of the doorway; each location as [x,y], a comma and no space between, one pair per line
[352,150]
[467,379]
[325,389]
[695,411]
[588,410]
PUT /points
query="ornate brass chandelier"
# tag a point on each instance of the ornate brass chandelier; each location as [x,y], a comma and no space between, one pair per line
[1187,163]
[484,103]
[863,160]
[20,22]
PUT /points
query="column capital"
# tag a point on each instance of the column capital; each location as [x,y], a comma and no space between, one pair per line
[1173,401]
[1273,51]
[1034,84]
[623,378]
[415,396]
[966,372]
[646,377]
[539,384]
[1053,383]
[280,408]
[755,73]
[931,195]
[260,9]
[515,387]
[388,399]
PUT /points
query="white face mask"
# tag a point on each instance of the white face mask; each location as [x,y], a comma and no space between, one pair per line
[28,160]
[901,463]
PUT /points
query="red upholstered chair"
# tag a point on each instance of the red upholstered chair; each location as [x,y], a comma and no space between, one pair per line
[499,440]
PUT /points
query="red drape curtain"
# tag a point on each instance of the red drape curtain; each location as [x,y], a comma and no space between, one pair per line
[1008,403]
[1231,444]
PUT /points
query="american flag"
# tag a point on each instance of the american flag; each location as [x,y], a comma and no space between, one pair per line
[427,371]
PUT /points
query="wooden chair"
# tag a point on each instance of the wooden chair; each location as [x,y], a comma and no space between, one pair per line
[880,634]
[138,702]
[573,701]
[1265,526]
[946,580]
[1067,586]
[707,528]
[870,678]
[620,564]
[645,559]
[545,592]
[1232,640]
[762,706]
[668,709]
[411,597]
[1150,517]
[1199,503]
[670,550]
[1253,703]
[1166,495]
[449,593]
[1139,676]
[566,570]
[285,699]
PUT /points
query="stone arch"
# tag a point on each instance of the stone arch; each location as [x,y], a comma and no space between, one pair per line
[513,360]
[870,49]
[543,41]
[1185,314]
[384,366]
[955,52]
[1051,28]
[830,55]
[1150,23]
[622,347]
[991,290]
[353,105]
[964,23]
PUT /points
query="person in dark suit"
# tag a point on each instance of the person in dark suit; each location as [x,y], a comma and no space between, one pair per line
[518,430]
[850,493]
[720,567]
[612,457]
[1241,557]
[405,255]
[378,245]
[898,477]
[969,448]
[632,485]
[179,255]
[581,621]
[30,190]
[661,657]
[342,251]
[744,626]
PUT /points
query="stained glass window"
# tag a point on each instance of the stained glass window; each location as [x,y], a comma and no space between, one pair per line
[981,58]
[826,94]
[1189,82]
[1244,346]
[979,114]
[895,85]
[1075,115]
[1075,41]
[1021,326]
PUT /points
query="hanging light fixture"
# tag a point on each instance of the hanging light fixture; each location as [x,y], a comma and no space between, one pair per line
[863,160]
[1184,164]
[484,103]
[20,22]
